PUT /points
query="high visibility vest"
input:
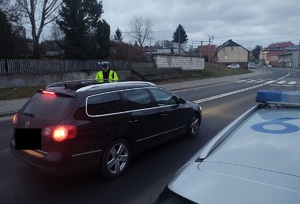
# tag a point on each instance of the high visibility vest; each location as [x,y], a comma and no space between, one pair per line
[112,76]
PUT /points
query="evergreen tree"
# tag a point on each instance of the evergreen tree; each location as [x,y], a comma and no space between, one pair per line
[118,35]
[256,51]
[78,21]
[103,40]
[6,38]
[180,35]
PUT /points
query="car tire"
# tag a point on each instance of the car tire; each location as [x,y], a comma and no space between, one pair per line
[115,159]
[194,125]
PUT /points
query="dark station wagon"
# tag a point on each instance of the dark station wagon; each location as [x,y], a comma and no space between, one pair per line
[79,125]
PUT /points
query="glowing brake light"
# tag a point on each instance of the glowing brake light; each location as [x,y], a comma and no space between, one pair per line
[48,92]
[60,133]
[15,119]
[281,97]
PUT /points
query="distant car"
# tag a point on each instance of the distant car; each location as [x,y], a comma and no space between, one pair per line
[83,125]
[255,159]
[251,66]
[234,66]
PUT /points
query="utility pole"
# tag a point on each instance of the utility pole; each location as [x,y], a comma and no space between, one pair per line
[150,48]
[299,56]
[209,40]
[208,49]
[201,49]
[201,44]
[179,45]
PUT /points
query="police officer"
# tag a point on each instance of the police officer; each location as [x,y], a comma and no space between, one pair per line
[106,74]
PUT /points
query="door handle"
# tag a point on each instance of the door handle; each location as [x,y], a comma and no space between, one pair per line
[133,121]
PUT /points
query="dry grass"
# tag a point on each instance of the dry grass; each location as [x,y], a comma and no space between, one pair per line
[19,92]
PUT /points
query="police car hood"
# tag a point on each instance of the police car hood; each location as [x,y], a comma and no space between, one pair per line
[257,163]
[215,183]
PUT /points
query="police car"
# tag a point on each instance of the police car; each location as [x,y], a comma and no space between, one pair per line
[255,159]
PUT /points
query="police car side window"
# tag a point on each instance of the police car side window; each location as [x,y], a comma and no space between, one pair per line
[104,104]
[163,97]
[137,99]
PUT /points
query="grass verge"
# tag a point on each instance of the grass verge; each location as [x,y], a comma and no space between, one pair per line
[18,92]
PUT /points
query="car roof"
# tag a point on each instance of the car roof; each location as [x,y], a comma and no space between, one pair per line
[252,160]
[74,87]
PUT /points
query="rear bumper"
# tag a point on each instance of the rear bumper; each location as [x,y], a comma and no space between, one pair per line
[55,163]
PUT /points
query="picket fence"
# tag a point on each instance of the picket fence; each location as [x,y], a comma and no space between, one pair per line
[31,66]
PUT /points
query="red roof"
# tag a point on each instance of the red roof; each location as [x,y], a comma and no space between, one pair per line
[280,45]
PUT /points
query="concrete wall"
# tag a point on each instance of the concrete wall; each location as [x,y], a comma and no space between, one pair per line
[184,62]
[161,61]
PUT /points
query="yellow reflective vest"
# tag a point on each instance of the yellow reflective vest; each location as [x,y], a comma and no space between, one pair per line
[112,76]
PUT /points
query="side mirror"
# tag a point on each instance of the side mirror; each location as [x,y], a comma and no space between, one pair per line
[182,101]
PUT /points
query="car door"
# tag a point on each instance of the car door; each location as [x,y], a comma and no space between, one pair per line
[141,115]
[99,121]
[174,115]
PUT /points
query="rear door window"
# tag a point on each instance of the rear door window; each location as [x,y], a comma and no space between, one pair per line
[137,99]
[107,103]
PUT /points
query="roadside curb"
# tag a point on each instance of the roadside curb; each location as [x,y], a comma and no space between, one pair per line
[10,107]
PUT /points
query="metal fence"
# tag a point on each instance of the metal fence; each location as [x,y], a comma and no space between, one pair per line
[31,66]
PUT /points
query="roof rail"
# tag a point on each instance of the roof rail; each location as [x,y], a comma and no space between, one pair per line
[95,85]
[136,82]
[78,84]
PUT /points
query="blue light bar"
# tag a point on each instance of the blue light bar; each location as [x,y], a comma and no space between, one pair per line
[280,97]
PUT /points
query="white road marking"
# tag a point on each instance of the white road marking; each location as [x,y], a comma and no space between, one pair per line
[292,82]
[238,91]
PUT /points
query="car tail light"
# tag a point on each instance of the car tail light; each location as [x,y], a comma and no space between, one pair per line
[60,133]
[48,92]
[15,119]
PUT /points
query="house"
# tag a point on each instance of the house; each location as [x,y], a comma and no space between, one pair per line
[208,52]
[290,58]
[271,53]
[231,52]
[50,48]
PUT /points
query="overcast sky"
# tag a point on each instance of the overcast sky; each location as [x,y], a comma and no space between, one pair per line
[246,22]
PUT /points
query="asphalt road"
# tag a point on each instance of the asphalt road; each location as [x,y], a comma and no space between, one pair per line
[150,171]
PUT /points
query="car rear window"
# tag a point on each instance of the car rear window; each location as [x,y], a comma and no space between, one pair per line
[48,107]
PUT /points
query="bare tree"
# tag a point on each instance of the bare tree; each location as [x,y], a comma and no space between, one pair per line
[39,13]
[157,44]
[140,30]
[124,51]
[11,11]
